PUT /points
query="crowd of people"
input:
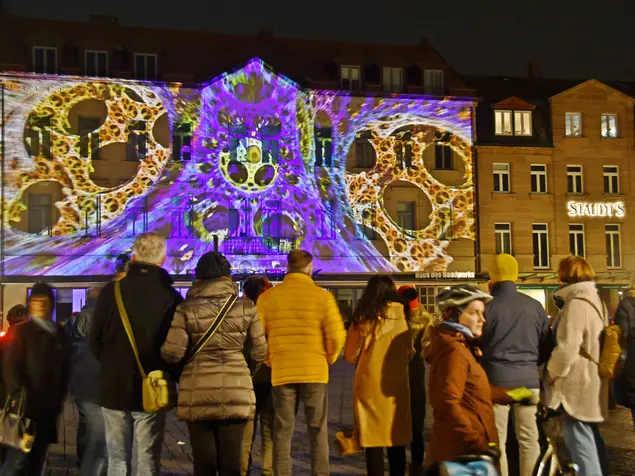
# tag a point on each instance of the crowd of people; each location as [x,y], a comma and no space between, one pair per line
[486,359]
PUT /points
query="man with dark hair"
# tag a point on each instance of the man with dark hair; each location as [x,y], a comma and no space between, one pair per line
[17,315]
[306,334]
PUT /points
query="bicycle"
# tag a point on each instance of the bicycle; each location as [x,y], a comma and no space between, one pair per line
[555,459]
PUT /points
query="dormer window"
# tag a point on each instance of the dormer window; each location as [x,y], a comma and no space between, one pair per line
[517,123]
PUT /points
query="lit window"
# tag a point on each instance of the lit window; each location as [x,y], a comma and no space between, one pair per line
[522,123]
[503,235]
[406,215]
[611,179]
[503,121]
[501,177]
[609,125]
[574,178]
[427,295]
[44,60]
[433,82]
[96,63]
[393,80]
[145,66]
[444,157]
[539,178]
[540,234]
[573,124]
[613,246]
[576,240]
[350,78]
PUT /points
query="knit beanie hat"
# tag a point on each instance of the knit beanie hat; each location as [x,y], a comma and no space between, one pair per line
[212,265]
[503,267]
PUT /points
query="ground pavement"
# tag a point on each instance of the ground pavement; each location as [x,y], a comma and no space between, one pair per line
[618,433]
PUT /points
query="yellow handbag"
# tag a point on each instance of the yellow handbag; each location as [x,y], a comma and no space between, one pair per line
[157,389]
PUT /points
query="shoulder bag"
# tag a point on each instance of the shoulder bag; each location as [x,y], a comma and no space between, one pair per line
[158,390]
[209,333]
[16,430]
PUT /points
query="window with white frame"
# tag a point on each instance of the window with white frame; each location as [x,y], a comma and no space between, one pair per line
[540,234]
[574,179]
[145,66]
[576,239]
[522,123]
[611,179]
[393,80]
[507,123]
[503,123]
[406,214]
[44,60]
[96,63]
[613,246]
[501,178]
[573,124]
[365,156]
[609,125]
[427,295]
[443,157]
[433,81]
[539,178]
[503,235]
[351,78]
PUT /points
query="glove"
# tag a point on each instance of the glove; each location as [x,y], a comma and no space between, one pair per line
[522,395]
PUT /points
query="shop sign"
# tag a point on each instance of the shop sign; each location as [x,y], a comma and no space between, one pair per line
[446,275]
[597,209]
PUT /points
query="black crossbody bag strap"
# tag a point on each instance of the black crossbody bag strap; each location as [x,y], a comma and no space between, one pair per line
[209,333]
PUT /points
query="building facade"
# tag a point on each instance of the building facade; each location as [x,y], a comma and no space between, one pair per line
[555,160]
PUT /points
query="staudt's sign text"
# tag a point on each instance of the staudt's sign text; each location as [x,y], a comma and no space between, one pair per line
[598,209]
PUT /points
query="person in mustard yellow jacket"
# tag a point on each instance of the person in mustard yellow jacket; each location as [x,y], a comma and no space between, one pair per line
[380,343]
[306,334]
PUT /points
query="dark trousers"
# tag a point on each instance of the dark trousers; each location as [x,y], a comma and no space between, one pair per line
[91,439]
[418,411]
[17,463]
[216,446]
[396,461]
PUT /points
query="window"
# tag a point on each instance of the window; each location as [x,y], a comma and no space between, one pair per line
[182,141]
[540,235]
[539,179]
[40,213]
[44,60]
[137,146]
[609,125]
[427,297]
[406,215]
[444,157]
[576,240]
[503,235]
[323,146]
[613,246]
[145,66]
[350,78]
[521,123]
[393,80]
[573,124]
[574,178]
[364,154]
[96,63]
[433,82]
[89,136]
[38,137]
[611,179]
[501,177]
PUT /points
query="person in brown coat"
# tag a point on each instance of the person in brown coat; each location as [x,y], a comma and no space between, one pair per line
[216,396]
[380,343]
[459,392]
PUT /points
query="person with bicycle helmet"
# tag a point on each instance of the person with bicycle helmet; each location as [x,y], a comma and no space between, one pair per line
[459,391]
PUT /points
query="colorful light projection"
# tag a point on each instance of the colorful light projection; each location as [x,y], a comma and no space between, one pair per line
[262,167]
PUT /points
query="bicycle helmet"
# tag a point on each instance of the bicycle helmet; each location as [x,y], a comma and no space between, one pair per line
[459,296]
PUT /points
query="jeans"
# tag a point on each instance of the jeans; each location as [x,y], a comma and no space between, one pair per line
[91,439]
[216,446]
[285,400]
[581,442]
[396,461]
[146,429]
[264,413]
[527,435]
[17,463]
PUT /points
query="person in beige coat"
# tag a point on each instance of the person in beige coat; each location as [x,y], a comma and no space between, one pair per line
[379,342]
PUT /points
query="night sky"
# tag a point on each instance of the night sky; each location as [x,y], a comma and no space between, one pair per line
[571,39]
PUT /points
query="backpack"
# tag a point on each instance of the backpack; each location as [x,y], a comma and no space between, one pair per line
[611,350]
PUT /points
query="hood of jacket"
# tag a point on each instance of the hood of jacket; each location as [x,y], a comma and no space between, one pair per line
[211,288]
[586,289]
[441,337]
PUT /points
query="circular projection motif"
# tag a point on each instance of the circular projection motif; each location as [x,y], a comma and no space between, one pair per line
[63,150]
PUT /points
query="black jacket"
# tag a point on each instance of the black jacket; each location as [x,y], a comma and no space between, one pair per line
[517,338]
[37,360]
[150,301]
[625,382]
[84,375]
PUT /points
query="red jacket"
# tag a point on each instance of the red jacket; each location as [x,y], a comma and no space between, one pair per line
[461,397]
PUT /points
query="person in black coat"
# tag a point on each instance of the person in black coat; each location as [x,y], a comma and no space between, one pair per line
[35,371]
[625,382]
[150,302]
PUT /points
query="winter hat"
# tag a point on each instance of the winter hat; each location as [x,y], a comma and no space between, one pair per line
[212,265]
[503,267]
[411,295]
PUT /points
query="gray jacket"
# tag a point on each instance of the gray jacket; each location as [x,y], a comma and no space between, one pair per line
[516,338]
[216,385]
